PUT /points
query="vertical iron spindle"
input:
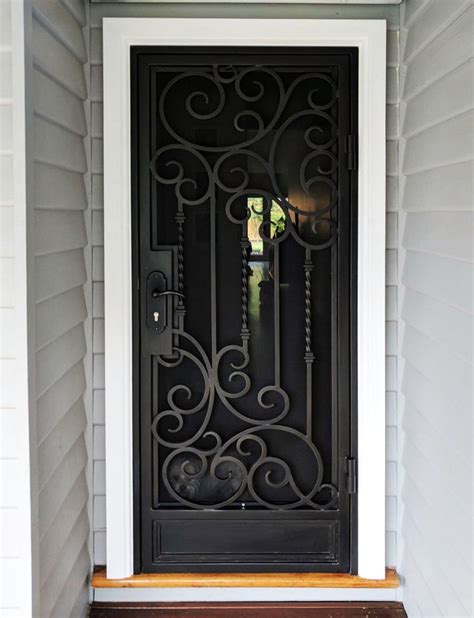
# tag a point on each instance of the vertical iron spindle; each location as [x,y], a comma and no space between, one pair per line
[181,309]
[308,356]
[244,247]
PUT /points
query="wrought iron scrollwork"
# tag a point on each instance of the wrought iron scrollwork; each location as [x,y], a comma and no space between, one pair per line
[243,465]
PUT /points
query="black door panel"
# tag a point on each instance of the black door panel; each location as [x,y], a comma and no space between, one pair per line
[244,255]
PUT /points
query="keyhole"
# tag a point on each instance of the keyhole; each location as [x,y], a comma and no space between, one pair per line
[156,316]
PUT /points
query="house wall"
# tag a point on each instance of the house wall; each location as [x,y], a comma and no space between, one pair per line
[98,11]
[59,206]
[437,279]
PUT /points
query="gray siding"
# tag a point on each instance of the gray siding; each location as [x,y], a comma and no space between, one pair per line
[437,280]
[60,237]
[391,14]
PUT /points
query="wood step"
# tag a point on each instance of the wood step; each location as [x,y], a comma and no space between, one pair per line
[249,610]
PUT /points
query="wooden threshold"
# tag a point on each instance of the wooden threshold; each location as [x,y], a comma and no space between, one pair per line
[244,580]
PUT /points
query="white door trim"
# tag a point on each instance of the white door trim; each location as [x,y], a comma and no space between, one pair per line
[369,36]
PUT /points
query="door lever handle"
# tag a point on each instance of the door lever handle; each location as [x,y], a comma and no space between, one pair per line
[158,294]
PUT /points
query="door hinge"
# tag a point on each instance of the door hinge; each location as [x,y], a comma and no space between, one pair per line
[352,151]
[351,471]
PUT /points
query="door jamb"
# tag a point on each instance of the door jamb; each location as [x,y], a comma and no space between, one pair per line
[369,36]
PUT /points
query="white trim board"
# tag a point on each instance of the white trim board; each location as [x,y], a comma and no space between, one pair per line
[369,36]
[241,595]
[261,1]
[23,565]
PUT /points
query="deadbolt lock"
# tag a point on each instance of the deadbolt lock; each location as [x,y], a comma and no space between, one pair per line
[156,304]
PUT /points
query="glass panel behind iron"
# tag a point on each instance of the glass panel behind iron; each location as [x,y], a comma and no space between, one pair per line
[244,177]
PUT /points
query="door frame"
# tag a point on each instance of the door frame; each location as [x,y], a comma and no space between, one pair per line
[369,36]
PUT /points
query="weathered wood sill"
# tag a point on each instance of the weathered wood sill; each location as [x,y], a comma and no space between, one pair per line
[244,580]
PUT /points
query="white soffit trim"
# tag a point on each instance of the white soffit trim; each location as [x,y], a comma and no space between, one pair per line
[369,36]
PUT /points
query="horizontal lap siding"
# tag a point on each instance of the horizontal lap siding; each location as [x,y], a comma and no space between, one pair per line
[437,310]
[99,11]
[60,236]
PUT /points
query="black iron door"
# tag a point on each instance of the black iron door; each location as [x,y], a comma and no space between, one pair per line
[244,216]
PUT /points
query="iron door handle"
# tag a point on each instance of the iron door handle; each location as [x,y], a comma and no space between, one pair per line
[157,304]
[158,294]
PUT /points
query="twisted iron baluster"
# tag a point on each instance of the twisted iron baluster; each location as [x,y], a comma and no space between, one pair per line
[181,309]
[308,268]
[308,356]
[244,247]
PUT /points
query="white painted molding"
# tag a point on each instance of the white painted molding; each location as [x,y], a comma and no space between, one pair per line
[258,1]
[26,564]
[369,36]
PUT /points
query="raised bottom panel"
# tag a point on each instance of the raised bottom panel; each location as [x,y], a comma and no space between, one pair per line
[253,541]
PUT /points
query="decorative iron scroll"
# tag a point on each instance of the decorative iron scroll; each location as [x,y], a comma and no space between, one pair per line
[244,465]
